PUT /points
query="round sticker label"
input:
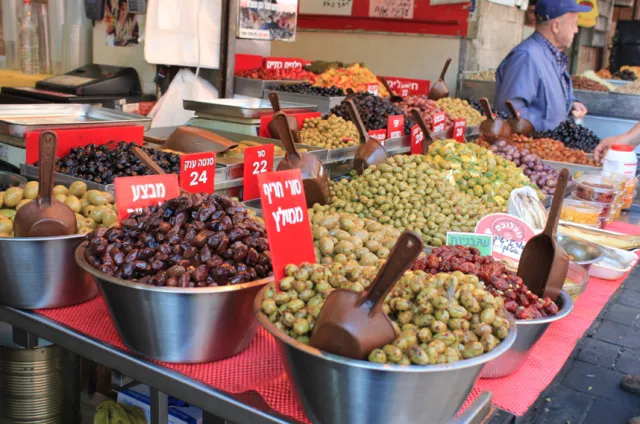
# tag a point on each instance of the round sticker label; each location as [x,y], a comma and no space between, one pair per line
[510,234]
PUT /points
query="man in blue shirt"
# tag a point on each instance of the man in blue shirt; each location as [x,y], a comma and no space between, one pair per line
[534,75]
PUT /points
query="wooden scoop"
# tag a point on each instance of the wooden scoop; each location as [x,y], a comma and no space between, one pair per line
[196,140]
[392,97]
[314,175]
[369,151]
[147,161]
[45,216]
[544,264]
[293,122]
[352,324]
[440,90]
[518,124]
[493,129]
[428,139]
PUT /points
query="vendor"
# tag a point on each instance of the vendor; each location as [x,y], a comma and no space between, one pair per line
[534,75]
[631,138]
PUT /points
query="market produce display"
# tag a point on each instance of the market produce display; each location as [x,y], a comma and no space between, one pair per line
[297,74]
[192,241]
[626,75]
[633,69]
[573,135]
[475,103]
[431,328]
[461,109]
[330,132]
[482,76]
[427,108]
[549,149]
[583,83]
[238,151]
[348,239]
[407,193]
[306,88]
[373,110]
[631,88]
[355,77]
[604,74]
[320,66]
[93,208]
[500,281]
[102,164]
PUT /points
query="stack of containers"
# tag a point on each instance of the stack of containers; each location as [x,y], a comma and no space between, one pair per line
[600,191]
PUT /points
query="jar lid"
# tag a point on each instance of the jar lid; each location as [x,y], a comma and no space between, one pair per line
[622,148]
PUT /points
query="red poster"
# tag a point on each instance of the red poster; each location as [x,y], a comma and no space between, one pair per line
[438,124]
[395,126]
[284,209]
[380,135]
[198,172]
[407,86]
[372,89]
[136,193]
[417,140]
[459,129]
[257,160]
[283,63]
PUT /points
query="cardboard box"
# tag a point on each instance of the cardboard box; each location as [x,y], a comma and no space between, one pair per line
[179,412]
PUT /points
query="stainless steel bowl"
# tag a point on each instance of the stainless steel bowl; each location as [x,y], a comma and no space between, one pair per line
[338,390]
[179,325]
[580,251]
[12,180]
[39,273]
[529,332]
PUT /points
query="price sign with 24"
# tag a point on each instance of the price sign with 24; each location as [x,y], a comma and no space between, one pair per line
[257,160]
[198,172]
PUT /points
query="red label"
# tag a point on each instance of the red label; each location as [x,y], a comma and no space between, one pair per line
[380,135]
[395,126]
[136,193]
[510,234]
[373,89]
[284,210]
[417,140]
[438,122]
[198,172]
[459,130]
[300,118]
[407,86]
[257,160]
[283,63]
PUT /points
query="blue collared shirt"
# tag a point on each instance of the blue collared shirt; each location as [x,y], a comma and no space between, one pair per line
[561,59]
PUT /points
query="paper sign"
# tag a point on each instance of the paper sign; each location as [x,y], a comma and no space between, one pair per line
[402,9]
[284,209]
[482,242]
[372,89]
[438,122]
[510,234]
[380,135]
[257,160]
[408,87]
[326,7]
[395,126]
[459,129]
[198,172]
[417,140]
[283,63]
[136,193]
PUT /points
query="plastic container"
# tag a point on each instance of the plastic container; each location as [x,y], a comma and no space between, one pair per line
[598,188]
[576,281]
[621,159]
[606,209]
[29,41]
[580,212]
[627,202]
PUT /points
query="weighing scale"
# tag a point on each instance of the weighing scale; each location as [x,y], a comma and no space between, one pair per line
[91,84]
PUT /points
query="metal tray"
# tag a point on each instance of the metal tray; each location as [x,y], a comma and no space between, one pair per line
[255,87]
[616,105]
[325,104]
[16,120]
[242,108]
[572,167]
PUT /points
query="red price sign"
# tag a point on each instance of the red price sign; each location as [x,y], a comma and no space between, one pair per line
[395,126]
[257,160]
[438,122]
[284,209]
[380,135]
[283,63]
[417,140]
[136,193]
[198,172]
[373,89]
[459,130]
[408,86]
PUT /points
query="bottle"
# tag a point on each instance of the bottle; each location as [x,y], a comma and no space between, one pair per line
[29,44]
[621,159]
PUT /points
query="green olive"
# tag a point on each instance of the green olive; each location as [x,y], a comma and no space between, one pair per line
[62,198]
[12,197]
[73,203]
[78,189]
[6,226]
[96,198]
[109,218]
[31,190]
[60,189]
[378,356]
[22,203]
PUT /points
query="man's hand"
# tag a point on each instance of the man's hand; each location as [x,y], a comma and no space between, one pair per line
[578,110]
[601,150]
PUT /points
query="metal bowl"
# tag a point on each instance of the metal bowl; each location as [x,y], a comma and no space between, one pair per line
[338,390]
[40,273]
[179,325]
[580,251]
[12,180]
[578,278]
[529,332]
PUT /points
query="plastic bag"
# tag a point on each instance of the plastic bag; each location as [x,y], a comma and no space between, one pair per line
[525,204]
[169,111]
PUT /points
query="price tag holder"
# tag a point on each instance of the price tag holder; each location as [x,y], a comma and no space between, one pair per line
[438,122]
[459,130]
[417,140]
[136,193]
[284,209]
[198,172]
[257,160]
[482,242]
[395,126]
[380,135]
[510,234]
[372,89]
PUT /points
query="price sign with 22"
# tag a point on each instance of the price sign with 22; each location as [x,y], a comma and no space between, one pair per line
[257,160]
[197,172]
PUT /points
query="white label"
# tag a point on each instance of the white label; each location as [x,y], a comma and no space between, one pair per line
[402,9]
[326,7]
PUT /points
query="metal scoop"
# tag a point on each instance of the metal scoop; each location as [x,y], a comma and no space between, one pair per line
[314,175]
[196,140]
[293,122]
[544,264]
[45,216]
[518,124]
[392,96]
[352,324]
[428,139]
[440,90]
[369,151]
[493,129]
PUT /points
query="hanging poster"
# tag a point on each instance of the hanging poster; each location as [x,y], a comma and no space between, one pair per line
[326,7]
[123,28]
[267,19]
[402,9]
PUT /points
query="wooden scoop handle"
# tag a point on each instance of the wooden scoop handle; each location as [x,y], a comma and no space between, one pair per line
[357,120]
[286,136]
[403,254]
[487,108]
[445,68]
[556,203]
[275,101]
[428,139]
[48,148]
[384,82]
[512,109]
[147,161]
